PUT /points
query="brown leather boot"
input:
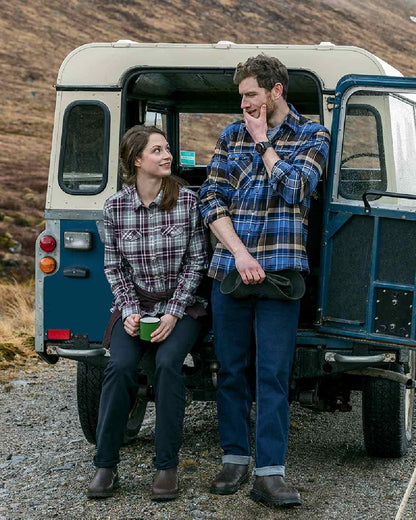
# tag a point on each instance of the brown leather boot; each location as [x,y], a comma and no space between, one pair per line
[229,479]
[104,483]
[165,484]
[274,490]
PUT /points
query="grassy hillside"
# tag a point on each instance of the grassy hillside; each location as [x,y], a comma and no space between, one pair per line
[16,327]
[37,35]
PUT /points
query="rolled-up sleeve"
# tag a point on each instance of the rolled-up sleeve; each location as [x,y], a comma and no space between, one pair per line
[117,270]
[194,265]
[297,178]
[214,191]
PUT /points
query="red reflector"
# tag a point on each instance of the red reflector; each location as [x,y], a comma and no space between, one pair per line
[47,243]
[59,334]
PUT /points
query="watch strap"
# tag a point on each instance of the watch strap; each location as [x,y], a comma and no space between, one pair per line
[262,146]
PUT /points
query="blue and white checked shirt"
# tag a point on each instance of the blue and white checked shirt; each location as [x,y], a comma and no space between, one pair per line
[269,215]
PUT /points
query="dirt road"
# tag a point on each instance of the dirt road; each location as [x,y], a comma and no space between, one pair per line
[45,464]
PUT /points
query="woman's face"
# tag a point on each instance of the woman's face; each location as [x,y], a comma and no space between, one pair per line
[156,159]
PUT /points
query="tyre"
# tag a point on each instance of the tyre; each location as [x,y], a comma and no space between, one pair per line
[89,384]
[135,420]
[388,414]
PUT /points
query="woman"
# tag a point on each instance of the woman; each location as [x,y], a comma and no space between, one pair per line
[155,256]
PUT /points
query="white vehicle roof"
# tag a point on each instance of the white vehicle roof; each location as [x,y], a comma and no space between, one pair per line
[105,64]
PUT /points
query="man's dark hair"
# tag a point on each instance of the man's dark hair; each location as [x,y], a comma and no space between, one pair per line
[266,69]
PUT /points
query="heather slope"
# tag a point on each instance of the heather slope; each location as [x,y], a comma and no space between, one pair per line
[36,36]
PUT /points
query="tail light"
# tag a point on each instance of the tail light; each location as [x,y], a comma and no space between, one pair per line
[59,334]
[47,264]
[47,243]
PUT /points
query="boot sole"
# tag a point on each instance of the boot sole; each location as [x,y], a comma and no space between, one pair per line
[165,498]
[257,496]
[104,494]
[231,490]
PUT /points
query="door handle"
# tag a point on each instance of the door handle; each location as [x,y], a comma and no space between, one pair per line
[376,358]
[367,207]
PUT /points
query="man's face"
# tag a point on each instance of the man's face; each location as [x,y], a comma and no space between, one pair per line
[253,97]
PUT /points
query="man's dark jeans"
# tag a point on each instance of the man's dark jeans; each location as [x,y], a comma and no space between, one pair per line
[120,388]
[274,323]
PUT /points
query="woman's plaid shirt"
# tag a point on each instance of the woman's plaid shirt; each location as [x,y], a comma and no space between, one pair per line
[269,215]
[153,249]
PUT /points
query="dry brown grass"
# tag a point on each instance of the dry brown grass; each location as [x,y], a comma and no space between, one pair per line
[17,326]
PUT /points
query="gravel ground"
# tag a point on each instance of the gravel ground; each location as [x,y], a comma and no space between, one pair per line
[45,463]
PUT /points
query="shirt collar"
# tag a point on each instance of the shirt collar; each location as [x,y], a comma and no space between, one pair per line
[292,119]
[136,202]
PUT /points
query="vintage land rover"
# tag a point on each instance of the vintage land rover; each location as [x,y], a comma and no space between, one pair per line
[358,323]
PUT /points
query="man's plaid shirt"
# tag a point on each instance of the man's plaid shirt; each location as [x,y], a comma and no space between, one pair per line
[153,249]
[269,215]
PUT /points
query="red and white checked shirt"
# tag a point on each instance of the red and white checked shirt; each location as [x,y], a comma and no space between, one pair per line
[155,250]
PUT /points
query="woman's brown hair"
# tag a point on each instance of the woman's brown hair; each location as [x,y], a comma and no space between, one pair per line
[132,144]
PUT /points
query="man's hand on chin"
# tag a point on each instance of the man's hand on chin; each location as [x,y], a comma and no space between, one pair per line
[257,126]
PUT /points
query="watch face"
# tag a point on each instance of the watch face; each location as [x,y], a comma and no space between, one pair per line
[260,148]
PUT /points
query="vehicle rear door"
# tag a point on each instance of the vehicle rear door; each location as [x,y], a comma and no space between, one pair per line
[368,262]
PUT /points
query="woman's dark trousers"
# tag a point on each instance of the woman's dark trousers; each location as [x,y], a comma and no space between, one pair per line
[120,388]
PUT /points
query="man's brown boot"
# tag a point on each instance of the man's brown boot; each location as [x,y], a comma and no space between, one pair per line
[229,479]
[165,484]
[274,490]
[104,483]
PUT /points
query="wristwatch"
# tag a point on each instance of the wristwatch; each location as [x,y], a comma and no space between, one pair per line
[262,147]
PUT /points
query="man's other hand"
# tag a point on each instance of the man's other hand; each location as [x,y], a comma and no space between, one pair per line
[250,270]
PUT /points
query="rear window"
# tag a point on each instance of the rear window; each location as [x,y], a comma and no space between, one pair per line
[198,134]
[83,163]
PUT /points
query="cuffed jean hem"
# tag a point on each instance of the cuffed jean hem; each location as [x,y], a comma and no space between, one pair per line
[236,459]
[267,471]
[111,464]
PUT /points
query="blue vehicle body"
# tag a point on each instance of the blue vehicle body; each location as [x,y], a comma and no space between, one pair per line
[84,303]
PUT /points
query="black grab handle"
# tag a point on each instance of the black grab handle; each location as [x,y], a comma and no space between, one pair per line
[367,207]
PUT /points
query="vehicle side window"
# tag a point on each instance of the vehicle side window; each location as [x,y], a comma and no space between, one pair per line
[156,119]
[403,123]
[84,150]
[362,162]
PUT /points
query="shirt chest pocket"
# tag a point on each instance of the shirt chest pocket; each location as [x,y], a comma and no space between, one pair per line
[130,241]
[172,231]
[131,235]
[173,238]
[240,170]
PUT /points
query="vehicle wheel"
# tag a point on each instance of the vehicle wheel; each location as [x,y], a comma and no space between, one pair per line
[89,384]
[388,414]
[135,420]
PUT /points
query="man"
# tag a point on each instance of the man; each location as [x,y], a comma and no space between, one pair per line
[256,200]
